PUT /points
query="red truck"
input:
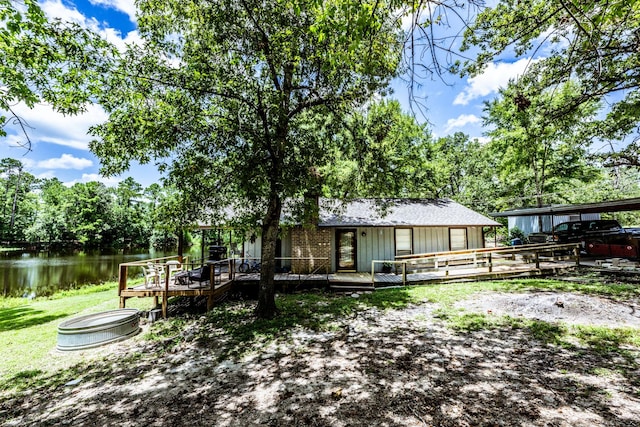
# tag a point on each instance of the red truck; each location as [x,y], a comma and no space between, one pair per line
[599,237]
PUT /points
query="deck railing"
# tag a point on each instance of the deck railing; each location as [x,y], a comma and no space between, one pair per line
[324,263]
[478,258]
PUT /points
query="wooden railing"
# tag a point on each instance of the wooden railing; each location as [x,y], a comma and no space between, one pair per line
[324,263]
[124,268]
[479,258]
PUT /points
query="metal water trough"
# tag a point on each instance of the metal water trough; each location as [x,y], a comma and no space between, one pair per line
[93,330]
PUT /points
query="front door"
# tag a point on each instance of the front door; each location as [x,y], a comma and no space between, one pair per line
[346,256]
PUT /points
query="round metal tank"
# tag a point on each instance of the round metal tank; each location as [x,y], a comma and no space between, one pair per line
[93,330]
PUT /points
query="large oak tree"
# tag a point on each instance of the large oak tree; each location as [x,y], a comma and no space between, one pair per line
[239,100]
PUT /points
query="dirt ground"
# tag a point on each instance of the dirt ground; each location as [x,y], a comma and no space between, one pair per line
[395,368]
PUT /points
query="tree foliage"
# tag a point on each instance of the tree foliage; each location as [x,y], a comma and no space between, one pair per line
[89,215]
[534,150]
[239,101]
[46,61]
[381,152]
[594,44]
[466,172]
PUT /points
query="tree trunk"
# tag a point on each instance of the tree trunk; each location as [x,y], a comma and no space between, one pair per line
[15,202]
[266,308]
[180,243]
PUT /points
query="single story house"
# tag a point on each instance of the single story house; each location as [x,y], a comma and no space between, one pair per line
[349,235]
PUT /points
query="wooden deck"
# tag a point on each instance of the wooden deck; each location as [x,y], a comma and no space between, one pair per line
[175,290]
[167,286]
[480,264]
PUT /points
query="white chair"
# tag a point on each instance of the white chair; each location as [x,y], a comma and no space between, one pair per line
[156,272]
[174,267]
[150,277]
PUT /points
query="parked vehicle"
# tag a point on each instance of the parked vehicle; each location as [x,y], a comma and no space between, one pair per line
[599,237]
[593,230]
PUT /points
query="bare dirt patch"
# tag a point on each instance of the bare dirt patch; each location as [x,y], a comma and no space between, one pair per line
[565,307]
[395,368]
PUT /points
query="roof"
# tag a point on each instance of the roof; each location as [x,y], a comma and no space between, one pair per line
[599,207]
[399,212]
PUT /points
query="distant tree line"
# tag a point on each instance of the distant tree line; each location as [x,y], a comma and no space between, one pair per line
[89,215]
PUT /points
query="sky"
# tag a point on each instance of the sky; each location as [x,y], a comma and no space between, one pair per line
[60,143]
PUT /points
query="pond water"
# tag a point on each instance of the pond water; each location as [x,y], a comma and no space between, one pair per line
[41,274]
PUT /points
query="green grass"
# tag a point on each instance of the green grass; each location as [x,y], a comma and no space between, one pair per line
[28,328]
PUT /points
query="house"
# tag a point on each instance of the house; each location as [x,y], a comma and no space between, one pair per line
[349,235]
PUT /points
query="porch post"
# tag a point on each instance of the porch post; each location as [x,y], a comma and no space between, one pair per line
[202,247]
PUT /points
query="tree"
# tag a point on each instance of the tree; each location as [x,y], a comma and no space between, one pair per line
[229,96]
[591,43]
[51,221]
[382,152]
[46,61]
[535,150]
[465,171]
[17,205]
[128,215]
[89,213]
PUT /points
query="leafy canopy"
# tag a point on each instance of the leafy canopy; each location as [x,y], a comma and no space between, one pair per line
[240,101]
[593,43]
[56,62]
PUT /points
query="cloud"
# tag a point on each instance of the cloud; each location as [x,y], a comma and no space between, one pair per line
[66,161]
[56,9]
[127,7]
[46,175]
[483,140]
[47,125]
[88,177]
[493,78]
[461,121]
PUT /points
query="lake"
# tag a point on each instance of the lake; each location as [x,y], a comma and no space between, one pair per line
[41,274]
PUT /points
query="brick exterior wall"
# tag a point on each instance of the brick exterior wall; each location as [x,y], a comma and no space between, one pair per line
[313,243]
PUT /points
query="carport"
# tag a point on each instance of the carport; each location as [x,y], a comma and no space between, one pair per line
[623,205]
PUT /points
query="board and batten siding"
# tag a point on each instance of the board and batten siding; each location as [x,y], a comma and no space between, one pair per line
[430,239]
[475,238]
[376,244]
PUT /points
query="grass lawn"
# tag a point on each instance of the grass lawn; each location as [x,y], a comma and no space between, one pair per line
[28,328]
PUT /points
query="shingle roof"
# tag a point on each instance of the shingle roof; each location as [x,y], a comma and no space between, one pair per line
[399,212]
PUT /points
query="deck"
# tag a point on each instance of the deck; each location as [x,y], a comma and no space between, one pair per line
[164,283]
[478,264]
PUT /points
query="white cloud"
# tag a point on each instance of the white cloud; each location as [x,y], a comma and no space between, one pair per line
[493,78]
[47,125]
[27,162]
[88,177]
[482,139]
[461,121]
[46,175]
[126,6]
[56,9]
[66,161]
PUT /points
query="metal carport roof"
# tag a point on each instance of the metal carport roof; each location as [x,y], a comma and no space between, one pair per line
[599,207]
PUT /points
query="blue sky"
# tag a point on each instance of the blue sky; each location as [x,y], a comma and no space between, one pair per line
[60,144]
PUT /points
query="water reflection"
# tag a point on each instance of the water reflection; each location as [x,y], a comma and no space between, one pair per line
[41,274]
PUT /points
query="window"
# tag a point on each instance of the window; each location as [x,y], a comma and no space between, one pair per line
[404,241]
[457,239]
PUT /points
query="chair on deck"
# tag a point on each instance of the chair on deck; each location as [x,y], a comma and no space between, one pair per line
[199,274]
[150,277]
[154,273]
[174,268]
